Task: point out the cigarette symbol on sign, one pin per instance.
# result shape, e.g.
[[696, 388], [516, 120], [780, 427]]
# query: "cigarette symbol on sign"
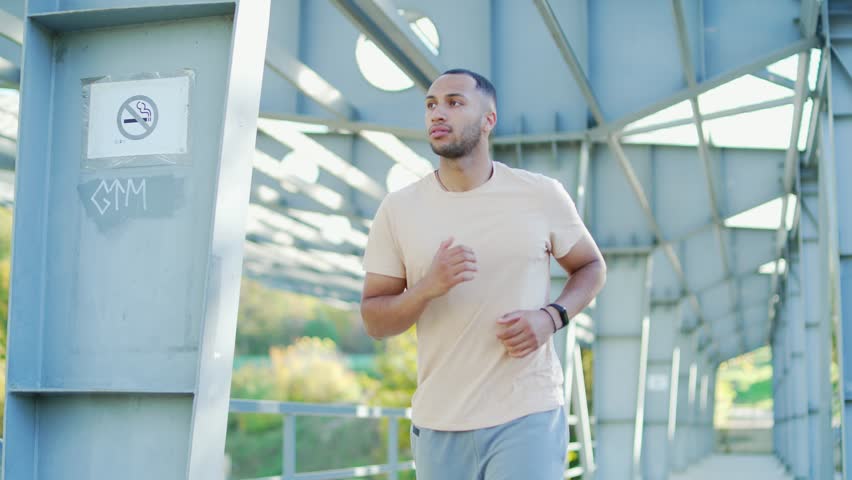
[[137, 117]]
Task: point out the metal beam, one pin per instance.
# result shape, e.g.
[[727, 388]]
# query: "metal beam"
[[308, 82], [580, 77], [756, 107], [791, 164], [11, 27], [379, 20], [343, 125], [570, 58], [601, 133], [819, 100], [780, 54], [703, 150], [776, 79]]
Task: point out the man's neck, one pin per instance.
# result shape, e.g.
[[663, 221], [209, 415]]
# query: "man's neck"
[[465, 173]]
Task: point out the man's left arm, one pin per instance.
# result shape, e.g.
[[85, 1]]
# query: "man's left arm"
[[524, 331]]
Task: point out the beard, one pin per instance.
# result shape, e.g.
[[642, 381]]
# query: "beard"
[[470, 138]]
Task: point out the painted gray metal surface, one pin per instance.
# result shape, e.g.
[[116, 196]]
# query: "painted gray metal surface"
[[710, 269], [620, 361], [122, 321], [686, 347], [835, 167], [658, 436], [817, 329], [798, 369]]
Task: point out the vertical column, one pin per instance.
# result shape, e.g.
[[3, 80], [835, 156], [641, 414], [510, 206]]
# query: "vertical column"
[[656, 446], [835, 170], [136, 137], [798, 370], [817, 332], [620, 355], [698, 405], [710, 433], [686, 347], [776, 391], [788, 393]]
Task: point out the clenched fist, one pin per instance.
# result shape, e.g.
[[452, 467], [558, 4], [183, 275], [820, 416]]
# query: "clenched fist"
[[450, 267], [524, 331]]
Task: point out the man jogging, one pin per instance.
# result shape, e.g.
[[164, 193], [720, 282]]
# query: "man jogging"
[[465, 255]]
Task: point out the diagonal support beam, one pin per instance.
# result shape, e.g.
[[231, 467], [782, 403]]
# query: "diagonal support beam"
[[755, 107], [703, 150], [580, 77], [379, 20], [791, 167], [570, 58], [308, 82], [11, 27], [799, 46], [776, 79]]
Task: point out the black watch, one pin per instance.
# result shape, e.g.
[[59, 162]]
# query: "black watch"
[[562, 313]]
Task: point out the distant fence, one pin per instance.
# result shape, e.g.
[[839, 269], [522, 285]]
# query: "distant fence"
[[291, 411]]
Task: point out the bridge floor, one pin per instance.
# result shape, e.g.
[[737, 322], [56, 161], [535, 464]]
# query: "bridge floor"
[[735, 467]]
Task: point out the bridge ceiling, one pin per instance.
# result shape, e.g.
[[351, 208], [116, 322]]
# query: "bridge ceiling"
[[571, 75]]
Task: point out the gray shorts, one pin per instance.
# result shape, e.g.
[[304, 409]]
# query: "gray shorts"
[[530, 447]]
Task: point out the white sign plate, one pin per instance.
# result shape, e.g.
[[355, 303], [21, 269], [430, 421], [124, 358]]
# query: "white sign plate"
[[138, 117]]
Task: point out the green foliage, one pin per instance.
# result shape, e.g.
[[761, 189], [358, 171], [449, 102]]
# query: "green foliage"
[[396, 366], [313, 371], [5, 251], [744, 381], [269, 317]]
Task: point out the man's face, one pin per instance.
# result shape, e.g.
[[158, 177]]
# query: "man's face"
[[456, 115]]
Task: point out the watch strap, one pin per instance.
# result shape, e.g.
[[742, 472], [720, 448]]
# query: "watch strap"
[[563, 314]]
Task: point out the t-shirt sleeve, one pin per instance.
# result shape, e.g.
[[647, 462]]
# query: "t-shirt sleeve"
[[566, 226], [382, 254]]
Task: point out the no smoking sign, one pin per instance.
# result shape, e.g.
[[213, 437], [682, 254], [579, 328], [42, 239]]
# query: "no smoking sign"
[[137, 118]]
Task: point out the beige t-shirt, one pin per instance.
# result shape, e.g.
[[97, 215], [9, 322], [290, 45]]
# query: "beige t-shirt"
[[513, 222]]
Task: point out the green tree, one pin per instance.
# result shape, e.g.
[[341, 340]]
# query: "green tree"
[[312, 371]]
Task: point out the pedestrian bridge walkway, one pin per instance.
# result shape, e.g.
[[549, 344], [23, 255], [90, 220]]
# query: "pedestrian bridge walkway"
[[735, 467]]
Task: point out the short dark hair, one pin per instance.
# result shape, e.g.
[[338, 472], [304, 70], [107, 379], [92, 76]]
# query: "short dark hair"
[[482, 83]]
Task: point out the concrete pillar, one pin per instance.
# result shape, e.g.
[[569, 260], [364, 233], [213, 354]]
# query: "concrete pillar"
[[776, 392], [710, 446], [798, 382], [620, 356], [687, 347], [661, 387], [817, 332], [695, 408], [129, 235], [835, 166]]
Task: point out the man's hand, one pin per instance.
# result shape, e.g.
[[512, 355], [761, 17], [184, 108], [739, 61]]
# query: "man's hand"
[[524, 331], [450, 267]]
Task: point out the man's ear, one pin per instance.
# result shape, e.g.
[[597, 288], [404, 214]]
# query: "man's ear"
[[490, 121]]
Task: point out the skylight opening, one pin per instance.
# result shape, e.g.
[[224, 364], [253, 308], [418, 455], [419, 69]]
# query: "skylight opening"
[[682, 135], [678, 111], [745, 90], [788, 67], [768, 268], [768, 129], [379, 70], [766, 216]]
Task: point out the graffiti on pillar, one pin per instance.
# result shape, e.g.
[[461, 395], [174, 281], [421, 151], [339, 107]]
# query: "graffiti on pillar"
[[113, 201], [117, 193]]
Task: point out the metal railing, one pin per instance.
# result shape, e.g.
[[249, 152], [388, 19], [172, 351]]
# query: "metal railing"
[[290, 411], [575, 405]]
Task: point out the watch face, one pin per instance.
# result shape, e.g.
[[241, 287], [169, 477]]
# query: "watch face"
[[562, 313]]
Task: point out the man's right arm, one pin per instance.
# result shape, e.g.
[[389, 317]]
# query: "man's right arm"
[[388, 308]]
